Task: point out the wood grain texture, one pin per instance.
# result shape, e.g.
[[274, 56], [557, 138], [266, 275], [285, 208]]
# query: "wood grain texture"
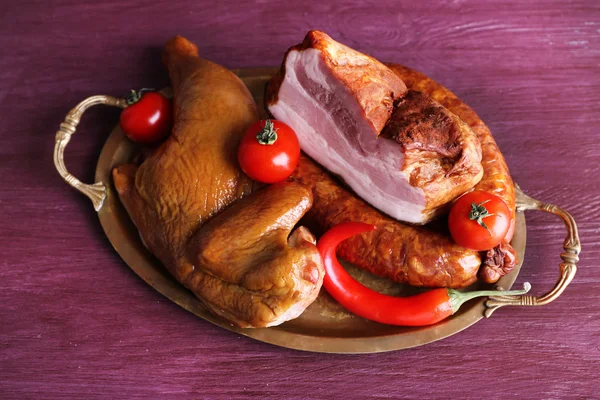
[[75, 322]]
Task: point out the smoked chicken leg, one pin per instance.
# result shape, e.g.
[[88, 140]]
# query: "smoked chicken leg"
[[242, 265]]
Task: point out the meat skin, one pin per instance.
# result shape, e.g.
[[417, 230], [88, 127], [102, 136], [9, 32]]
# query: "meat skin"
[[247, 250], [171, 189], [367, 80], [196, 211]]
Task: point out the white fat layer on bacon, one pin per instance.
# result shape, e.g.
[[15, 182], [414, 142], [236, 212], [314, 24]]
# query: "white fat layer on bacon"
[[350, 148]]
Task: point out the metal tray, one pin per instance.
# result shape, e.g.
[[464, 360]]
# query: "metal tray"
[[325, 326]]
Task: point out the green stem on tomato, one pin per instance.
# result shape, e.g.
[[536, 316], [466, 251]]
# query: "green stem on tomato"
[[478, 212], [458, 298], [135, 95], [268, 134]]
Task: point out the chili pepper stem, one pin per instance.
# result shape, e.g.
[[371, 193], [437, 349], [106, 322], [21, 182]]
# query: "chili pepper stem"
[[457, 298]]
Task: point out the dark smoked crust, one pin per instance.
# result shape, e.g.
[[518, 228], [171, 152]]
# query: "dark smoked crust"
[[417, 123], [442, 154]]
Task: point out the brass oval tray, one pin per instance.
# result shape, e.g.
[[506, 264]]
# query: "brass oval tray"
[[324, 326]]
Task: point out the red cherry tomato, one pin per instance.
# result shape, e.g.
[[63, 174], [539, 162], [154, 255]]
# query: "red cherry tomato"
[[479, 220], [147, 118], [269, 151]]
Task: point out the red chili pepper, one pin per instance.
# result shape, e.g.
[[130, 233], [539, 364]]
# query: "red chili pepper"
[[422, 309]]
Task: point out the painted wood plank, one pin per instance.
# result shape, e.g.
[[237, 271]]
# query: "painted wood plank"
[[75, 322]]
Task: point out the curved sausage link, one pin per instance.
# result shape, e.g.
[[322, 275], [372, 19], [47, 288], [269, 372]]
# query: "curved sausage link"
[[400, 252]]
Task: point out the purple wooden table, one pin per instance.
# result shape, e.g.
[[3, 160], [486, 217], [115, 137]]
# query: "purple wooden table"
[[76, 322]]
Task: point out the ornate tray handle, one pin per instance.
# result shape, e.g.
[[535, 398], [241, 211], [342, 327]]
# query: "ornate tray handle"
[[568, 267], [97, 191]]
